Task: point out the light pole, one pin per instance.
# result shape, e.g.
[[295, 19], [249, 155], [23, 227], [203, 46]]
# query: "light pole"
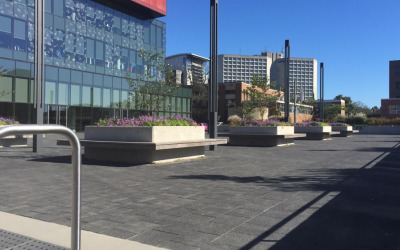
[[321, 92], [39, 72], [287, 91], [213, 84], [294, 102]]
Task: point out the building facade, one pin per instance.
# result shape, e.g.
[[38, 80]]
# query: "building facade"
[[241, 68], [394, 79], [390, 108], [91, 47], [231, 96], [191, 67], [303, 72]]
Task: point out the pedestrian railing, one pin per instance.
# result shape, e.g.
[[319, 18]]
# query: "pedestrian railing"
[[76, 168]]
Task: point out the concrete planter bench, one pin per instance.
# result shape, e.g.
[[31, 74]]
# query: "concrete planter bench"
[[314, 132], [140, 145], [261, 136], [14, 141], [380, 130], [345, 131]]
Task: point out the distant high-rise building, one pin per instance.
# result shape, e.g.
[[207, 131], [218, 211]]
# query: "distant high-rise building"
[[390, 108], [192, 68], [394, 79], [232, 68], [302, 71]]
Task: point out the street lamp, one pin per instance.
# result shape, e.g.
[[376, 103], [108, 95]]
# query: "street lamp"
[[213, 84], [321, 92], [287, 92], [39, 72]]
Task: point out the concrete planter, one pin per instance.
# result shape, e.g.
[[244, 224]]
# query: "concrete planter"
[[320, 129], [278, 130], [14, 140], [315, 133], [145, 134], [342, 128], [380, 130], [344, 131]]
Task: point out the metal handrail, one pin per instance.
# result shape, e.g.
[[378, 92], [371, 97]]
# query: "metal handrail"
[[76, 168]]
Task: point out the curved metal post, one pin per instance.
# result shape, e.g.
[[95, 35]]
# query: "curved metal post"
[[76, 168]]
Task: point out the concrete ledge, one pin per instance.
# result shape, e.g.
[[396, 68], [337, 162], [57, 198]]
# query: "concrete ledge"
[[61, 235], [260, 140], [14, 141], [318, 136], [374, 130], [144, 152]]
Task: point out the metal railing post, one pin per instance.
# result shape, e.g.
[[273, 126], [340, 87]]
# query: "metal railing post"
[[76, 168]]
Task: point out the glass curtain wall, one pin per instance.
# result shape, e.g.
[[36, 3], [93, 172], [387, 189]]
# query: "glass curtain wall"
[[89, 51]]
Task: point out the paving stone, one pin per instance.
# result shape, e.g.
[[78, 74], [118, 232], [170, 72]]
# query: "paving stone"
[[331, 188]]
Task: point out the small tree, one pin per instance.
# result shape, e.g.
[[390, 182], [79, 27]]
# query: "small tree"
[[152, 88], [331, 112], [200, 96], [258, 97], [2, 71]]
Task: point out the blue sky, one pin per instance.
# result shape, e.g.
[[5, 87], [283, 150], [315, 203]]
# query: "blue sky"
[[355, 39]]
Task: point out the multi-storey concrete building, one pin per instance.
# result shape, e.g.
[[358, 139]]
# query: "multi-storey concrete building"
[[192, 68], [302, 71], [233, 68], [90, 48], [390, 108]]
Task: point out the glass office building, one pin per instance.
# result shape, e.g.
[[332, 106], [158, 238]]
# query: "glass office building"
[[90, 48]]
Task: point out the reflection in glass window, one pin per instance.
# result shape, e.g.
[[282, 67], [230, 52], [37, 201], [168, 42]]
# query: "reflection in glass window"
[[90, 51], [115, 103], [5, 32], [75, 95], [50, 93], [21, 90], [124, 99], [99, 53], [107, 98], [59, 8], [63, 94], [109, 56], [96, 97], [6, 87], [86, 96], [47, 6], [58, 43]]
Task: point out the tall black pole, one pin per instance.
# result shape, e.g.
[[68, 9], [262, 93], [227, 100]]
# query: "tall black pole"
[[321, 91], [39, 72], [213, 84], [294, 102], [287, 91]]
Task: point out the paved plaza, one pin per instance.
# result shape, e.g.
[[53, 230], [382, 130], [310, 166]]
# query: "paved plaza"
[[342, 193]]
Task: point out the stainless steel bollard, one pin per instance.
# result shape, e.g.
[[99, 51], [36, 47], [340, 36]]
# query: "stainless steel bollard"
[[76, 168]]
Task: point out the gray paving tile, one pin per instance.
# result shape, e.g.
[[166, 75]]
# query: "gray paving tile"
[[329, 188]]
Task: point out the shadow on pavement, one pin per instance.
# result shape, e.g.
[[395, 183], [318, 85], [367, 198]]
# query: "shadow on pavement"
[[364, 215]]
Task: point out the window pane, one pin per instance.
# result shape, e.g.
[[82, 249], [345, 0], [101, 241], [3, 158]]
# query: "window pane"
[[115, 103], [5, 24], [106, 98], [59, 7], [86, 96], [75, 95], [124, 99], [5, 89], [63, 94], [21, 90], [50, 93], [96, 97]]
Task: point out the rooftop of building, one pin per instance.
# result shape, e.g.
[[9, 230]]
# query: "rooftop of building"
[[189, 55]]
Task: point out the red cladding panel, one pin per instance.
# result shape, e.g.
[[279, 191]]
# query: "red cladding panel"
[[159, 6]]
